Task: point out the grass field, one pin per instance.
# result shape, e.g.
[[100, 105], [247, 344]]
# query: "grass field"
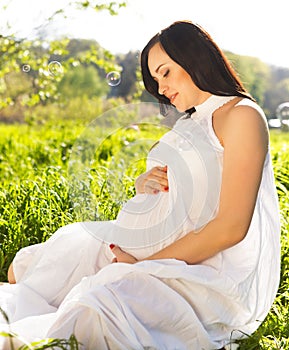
[[38, 195]]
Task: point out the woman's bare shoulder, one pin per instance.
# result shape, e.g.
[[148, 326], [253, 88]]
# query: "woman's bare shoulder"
[[244, 117]]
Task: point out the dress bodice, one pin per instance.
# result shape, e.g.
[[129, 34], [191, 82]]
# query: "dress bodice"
[[194, 160]]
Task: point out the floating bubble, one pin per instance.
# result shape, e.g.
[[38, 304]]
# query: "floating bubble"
[[26, 68], [113, 78], [133, 127], [55, 68]]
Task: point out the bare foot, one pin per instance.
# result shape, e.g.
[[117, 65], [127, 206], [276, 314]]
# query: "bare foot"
[[11, 276]]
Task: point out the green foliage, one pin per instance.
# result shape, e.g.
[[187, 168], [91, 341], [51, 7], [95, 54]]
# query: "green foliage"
[[40, 65], [253, 73], [34, 199], [129, 64], [82, 81], [40, 73], [79, 108], [278, 93], [112, 7], [29, 62]]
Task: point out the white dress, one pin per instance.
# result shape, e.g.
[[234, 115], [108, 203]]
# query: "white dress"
[[68, 284]]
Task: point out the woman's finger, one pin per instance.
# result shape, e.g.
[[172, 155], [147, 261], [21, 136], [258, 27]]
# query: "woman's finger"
[[121, 256], [153, 181]]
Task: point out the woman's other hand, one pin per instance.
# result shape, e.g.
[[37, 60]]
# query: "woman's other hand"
[[121, 256], [153, 181]]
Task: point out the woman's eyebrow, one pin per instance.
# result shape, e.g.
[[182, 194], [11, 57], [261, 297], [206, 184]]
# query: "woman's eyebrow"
[[158, 68]]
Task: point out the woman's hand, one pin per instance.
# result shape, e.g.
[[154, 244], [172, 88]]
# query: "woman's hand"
[[121, 256], [153, 181]]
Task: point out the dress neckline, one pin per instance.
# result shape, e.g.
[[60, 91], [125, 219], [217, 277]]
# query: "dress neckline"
[[210, 105]]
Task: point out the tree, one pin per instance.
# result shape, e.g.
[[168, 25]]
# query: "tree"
[[82, 81], [254, 74], [127, 87], [278, 89], [278, 93], [19, 55]]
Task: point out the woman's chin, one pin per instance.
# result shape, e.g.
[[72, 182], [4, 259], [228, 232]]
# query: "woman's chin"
[[180, 109]]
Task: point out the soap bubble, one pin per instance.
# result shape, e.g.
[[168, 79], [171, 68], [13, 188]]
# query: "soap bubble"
[[55, 68], [113, 78], [26, 68]]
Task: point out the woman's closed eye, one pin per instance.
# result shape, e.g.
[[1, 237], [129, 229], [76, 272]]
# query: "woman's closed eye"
[[163, 75], [166, 73]]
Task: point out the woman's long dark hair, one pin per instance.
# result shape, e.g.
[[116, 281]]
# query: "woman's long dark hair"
[[194, 50]]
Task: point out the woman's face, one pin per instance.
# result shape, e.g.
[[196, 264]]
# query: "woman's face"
[[173, 81]]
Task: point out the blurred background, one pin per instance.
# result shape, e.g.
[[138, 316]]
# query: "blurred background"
[[88, 52]]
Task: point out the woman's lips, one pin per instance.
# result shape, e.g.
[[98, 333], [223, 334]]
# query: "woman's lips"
[[173, 97]]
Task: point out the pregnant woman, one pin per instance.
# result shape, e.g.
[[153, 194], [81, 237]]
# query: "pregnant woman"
[[192, 261]]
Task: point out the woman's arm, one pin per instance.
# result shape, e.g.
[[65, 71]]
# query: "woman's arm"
[[245, 139]]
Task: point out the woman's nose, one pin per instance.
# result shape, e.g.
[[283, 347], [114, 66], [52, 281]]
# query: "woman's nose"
[[162, 88]]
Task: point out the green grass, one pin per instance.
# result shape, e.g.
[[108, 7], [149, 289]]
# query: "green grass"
[[34, 198], [48, 180]]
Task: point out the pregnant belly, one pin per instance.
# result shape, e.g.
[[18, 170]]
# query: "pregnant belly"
[[144, 211], [150, 222]]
